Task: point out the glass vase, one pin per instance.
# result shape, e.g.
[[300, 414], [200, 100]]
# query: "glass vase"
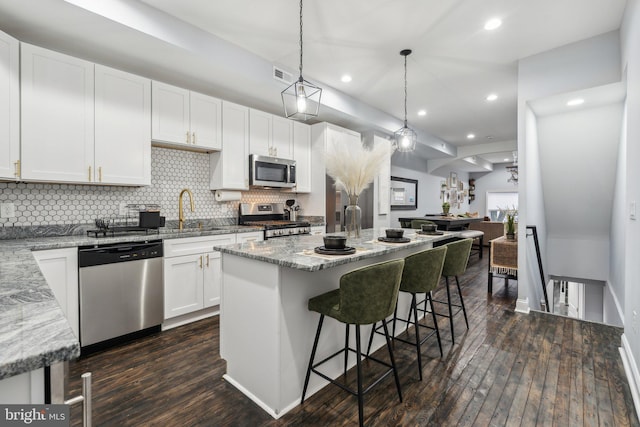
[[353, 217]]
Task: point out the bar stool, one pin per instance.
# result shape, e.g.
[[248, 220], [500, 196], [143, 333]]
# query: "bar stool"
[[421, 275], [474, 234], [366, 295], [455, 264]]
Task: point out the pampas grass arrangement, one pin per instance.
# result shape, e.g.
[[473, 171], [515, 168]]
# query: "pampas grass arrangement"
[[353, 166]]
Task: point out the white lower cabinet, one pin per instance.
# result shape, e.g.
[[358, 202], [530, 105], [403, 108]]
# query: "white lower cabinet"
[[192, 272], [253, 236], [317, 230], [60, 269]]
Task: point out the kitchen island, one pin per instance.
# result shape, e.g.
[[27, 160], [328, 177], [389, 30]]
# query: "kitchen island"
[[266, 330]]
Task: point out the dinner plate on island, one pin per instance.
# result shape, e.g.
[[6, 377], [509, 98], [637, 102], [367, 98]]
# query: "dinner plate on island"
[[347, 250], [394, 239], [430, 233]]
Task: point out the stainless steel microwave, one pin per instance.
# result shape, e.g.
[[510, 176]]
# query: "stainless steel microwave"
[[267, 171]]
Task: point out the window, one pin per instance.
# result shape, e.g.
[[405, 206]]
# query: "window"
[[497, 200]]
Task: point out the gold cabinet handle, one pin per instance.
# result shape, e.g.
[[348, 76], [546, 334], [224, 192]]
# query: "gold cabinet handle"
[[188, 137], [89, 173], [100, 174], [193, 138], [207, 260], [200, 261], [16, 165]]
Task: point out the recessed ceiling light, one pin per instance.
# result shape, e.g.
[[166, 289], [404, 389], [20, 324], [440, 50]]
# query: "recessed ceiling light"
[[422, 112], [471, 136], [492, 24], [346, 78], [575, 102], [492, 97]]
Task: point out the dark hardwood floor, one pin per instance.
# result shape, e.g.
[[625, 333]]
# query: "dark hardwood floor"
[[507, 369]]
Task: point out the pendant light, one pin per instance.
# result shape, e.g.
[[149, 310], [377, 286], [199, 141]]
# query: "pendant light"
[[405, 138], [301, 100]]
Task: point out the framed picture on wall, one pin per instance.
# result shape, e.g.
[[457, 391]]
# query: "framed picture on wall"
[[404, 193], [453, 180]]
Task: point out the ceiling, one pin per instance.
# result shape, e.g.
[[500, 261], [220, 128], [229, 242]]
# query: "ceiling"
[[455, 63]]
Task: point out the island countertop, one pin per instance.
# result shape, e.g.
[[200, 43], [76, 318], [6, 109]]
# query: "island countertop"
[[298, 252]]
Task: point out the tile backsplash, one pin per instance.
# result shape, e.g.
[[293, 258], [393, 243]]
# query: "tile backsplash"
[[171, 171]]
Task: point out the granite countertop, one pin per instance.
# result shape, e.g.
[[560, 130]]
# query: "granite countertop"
[[297, 251], [34, 331]]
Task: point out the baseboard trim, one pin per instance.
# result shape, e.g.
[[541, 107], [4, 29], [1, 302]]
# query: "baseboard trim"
[[631, 369], [522, 305], [174, 322], [259, 402]]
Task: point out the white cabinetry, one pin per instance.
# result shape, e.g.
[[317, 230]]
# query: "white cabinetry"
[[318, 230], [302, 156], [57, 116], [82, 122], [230, 166], [192, 273], [122, 127], [9, 107], [253, 236], [185, 119], [60, 269], [270, 135]]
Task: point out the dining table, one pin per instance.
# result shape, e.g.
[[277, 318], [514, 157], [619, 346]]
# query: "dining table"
[[444, 222]]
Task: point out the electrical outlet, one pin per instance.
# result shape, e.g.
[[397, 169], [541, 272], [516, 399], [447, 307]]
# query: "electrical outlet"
[[122, 209], [7, 210]]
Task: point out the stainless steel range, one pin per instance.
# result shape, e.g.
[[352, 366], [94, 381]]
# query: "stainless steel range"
[[271, 217]]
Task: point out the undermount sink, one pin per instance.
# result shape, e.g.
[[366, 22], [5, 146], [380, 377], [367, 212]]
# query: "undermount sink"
[[189, 229]]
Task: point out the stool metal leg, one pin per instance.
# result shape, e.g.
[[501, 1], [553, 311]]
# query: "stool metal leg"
[[313, 355], [373, 331], [435, 320], [346, 347], [393, 362], [359, 369], [416, 327], [446, 280], [464, 311]]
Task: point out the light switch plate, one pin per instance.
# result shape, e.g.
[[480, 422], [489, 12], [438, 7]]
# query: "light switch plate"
[[7, 210]]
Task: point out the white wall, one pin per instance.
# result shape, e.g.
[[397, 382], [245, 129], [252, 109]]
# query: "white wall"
[[428, 187], [585, 64], [490, 182], [630, 39]]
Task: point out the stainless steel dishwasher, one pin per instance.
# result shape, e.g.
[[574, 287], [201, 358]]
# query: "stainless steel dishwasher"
[[121, 289]]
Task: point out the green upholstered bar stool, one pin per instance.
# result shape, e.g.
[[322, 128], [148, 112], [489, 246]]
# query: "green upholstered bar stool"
[[421, 274], [416, 224], [455, 264], [366, 295]]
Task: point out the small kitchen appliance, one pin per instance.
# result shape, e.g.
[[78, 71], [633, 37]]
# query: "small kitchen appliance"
[[271, 172], [271, 217]]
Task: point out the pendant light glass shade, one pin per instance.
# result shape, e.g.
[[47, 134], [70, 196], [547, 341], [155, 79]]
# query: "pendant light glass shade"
[[405, 138], [301, 100]]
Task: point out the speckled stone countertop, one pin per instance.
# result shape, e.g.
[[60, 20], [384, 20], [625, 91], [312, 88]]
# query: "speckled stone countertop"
[[298, 251], [34, 331]]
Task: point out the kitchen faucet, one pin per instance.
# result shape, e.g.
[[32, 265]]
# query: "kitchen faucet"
[[180, 208]]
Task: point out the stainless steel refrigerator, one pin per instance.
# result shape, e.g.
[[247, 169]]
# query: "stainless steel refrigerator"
[[336, 203]]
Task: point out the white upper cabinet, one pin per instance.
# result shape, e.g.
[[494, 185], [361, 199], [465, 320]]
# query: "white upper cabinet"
[[302, 156], [270, 135], [185, 119], [230, 166], [122, 127], [57, 116], [9, 107]]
